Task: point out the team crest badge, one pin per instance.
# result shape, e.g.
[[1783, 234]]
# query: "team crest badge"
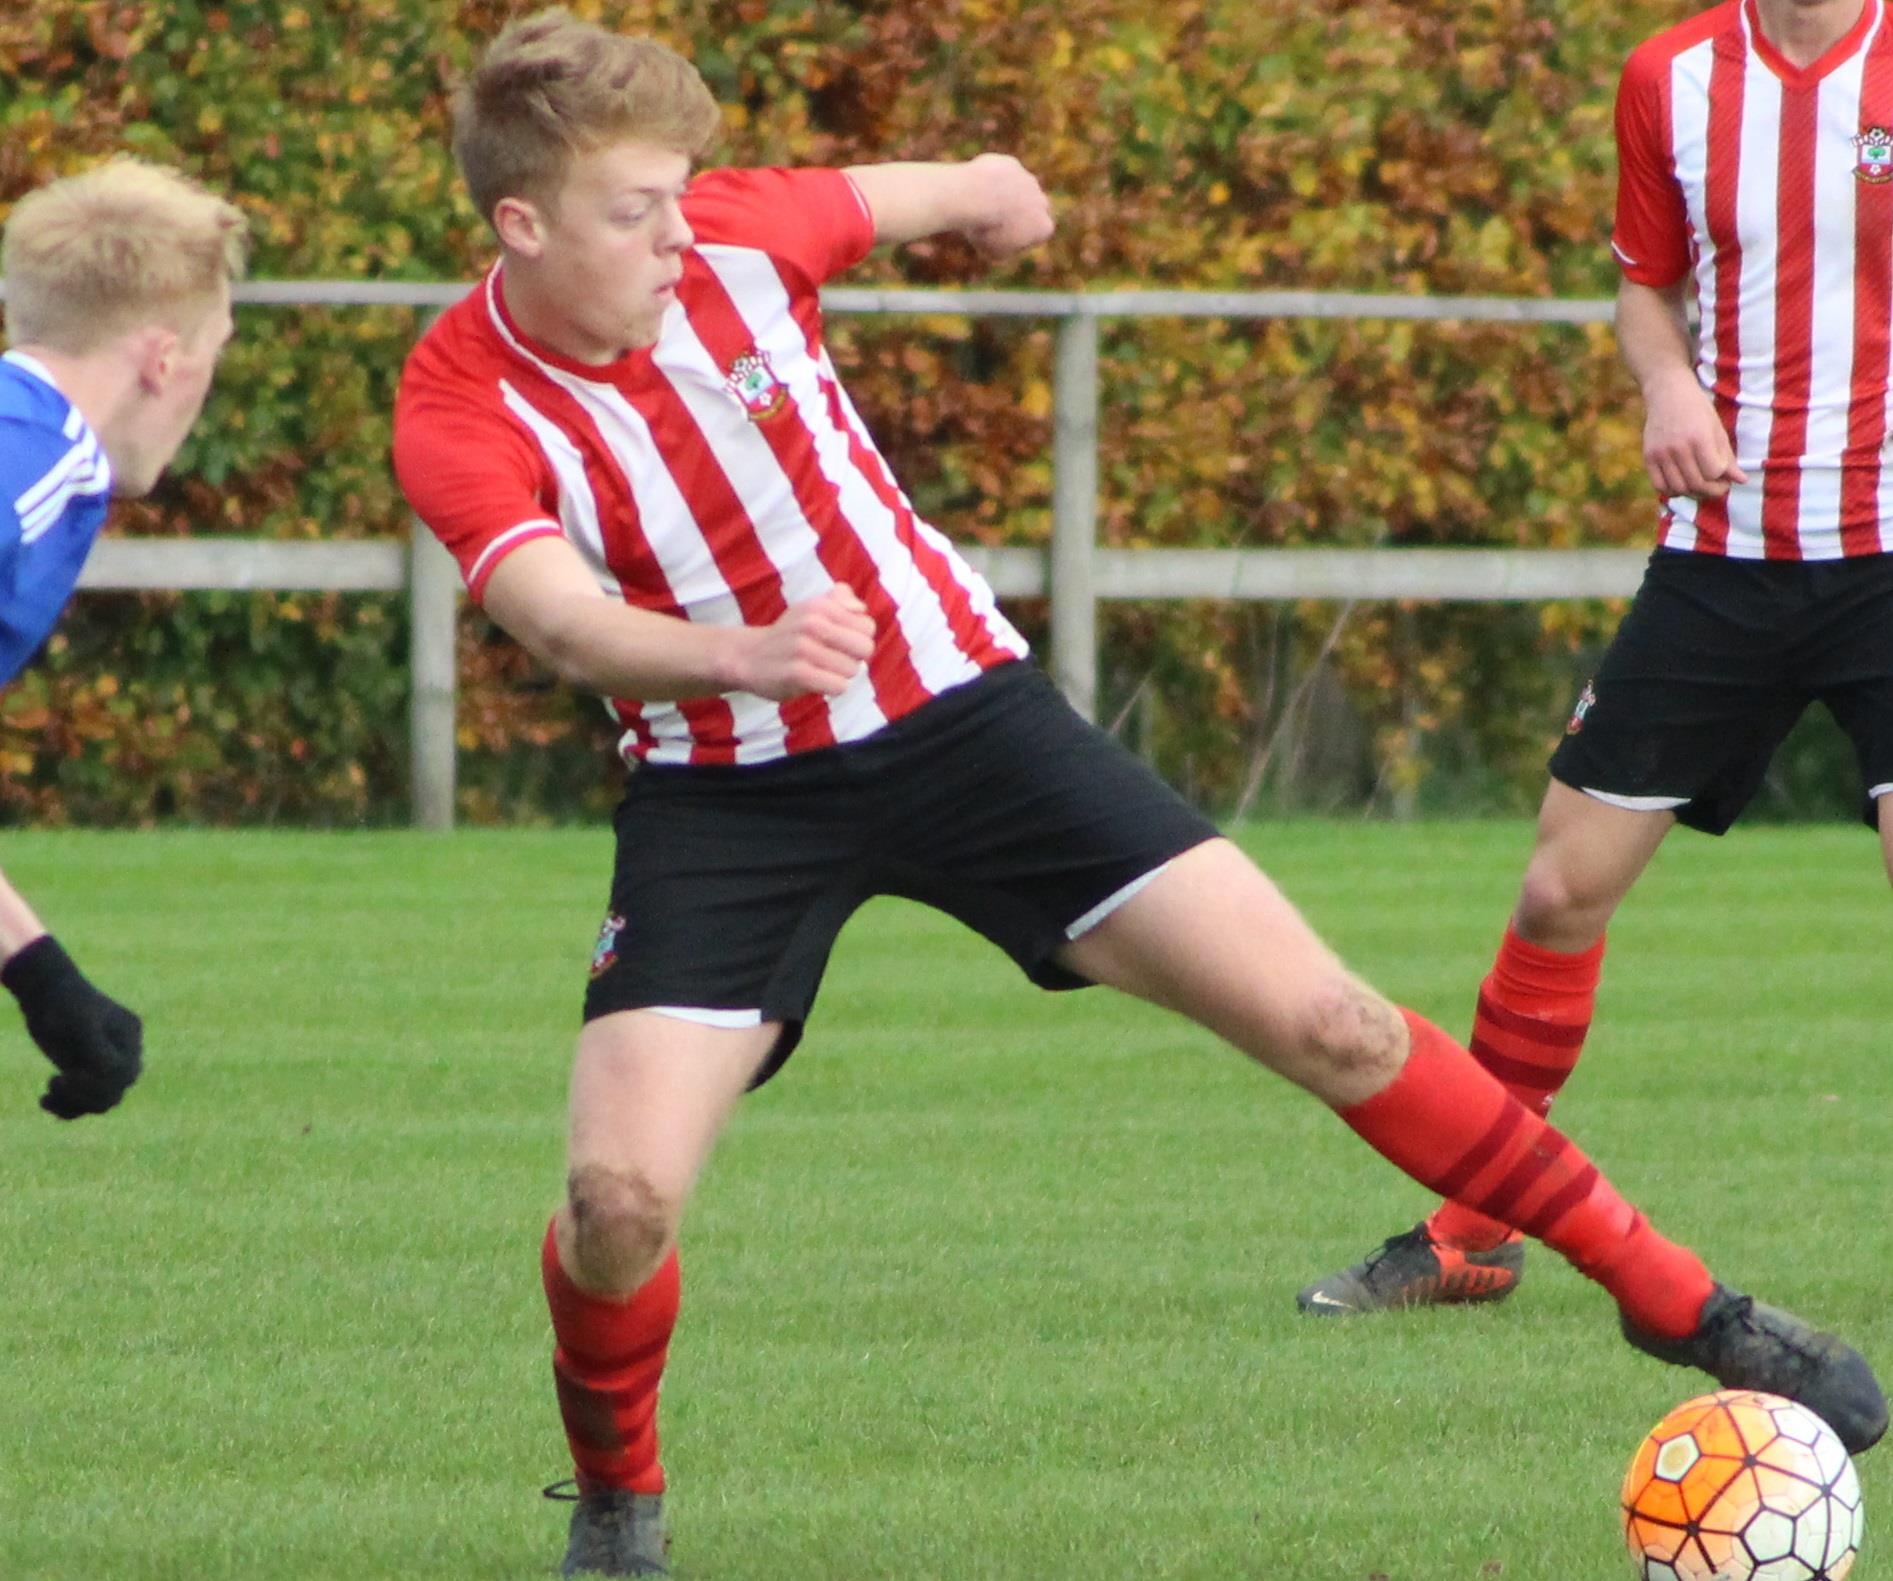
[[1875, 162], [605, 952], [753, 382], [1587, 700]]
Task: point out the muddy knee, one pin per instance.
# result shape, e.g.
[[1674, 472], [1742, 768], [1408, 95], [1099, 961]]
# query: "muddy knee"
[[621, 1226], [1352, 1040]]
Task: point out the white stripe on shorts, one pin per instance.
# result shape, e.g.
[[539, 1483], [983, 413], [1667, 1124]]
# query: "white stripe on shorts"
[[1637, 803], [733, 1020], [1110, 903], [1879, 790]]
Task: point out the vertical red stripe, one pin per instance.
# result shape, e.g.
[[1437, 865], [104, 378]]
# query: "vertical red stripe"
[[630, 717], [640, 577], [1794, 323], [971, 635], [1726, 98], [750, 574], [1860, 527], [898, 689]]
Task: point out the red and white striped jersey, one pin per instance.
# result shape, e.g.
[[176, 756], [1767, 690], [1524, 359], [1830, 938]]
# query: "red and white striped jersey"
[[719, 475], [1774, 184]]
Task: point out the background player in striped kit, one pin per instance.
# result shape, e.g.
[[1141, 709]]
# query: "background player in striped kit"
[[1755, 148], [118, 304], [632, 438]]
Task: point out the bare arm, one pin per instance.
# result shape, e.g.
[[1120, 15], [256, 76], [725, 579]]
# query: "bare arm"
[[1685, 447], [547, 599], [993, 201], [19, 927]]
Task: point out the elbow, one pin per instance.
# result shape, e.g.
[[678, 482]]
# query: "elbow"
[[570, 659]]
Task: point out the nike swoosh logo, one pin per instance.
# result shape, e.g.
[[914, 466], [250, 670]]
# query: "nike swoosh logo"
[[1325, 1301]]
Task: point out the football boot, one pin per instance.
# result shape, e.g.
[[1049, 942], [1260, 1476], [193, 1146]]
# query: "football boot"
[[1414, 1270]]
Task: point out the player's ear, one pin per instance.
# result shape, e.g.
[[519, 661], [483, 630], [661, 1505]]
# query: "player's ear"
[[519, 226], [154, 353]]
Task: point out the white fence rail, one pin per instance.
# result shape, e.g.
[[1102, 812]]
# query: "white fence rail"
[[1075, 573]]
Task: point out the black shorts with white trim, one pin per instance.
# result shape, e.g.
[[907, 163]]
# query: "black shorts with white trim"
[[993, 802], [1715, 662]]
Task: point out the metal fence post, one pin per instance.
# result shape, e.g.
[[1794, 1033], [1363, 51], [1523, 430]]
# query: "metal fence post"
[[1075, 512], [433, 610]]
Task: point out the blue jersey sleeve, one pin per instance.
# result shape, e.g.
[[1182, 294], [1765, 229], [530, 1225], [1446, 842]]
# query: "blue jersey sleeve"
[[53, 494]]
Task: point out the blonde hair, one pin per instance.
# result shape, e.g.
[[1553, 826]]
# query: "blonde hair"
[[551, 86], [126, 243]]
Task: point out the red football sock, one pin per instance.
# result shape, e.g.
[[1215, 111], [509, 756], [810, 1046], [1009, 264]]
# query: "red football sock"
[[1534, 1010], [607, 1365], [1450, 1125]]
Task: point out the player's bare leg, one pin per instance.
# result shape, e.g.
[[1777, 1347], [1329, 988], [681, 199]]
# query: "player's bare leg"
[[1884, 805], [1587, 856], [650, 1094], [1534, 1009], [1212, 938]]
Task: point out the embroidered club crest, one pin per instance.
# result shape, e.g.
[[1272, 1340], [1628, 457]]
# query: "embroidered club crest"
[[1875, 162], [605, 952], [753, 382], [1587, 700]]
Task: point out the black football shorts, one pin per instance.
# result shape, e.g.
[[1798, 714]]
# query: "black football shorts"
[[1711, 668], [993, 802]]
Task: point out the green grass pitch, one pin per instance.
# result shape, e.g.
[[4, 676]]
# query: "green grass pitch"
[[990, 1284]]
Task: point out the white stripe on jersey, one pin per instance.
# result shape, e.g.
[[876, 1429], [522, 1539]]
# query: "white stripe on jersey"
[[681, 550], [690, 570], [578, 508], [1689, 138], [766, 493], [1830, 393], [978, 591], [80, 471], [750, 278], [1758, 221], [1756, 319]]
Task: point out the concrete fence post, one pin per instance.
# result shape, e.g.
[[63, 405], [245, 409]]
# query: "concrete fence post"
[[1075, 512], [433, 611]]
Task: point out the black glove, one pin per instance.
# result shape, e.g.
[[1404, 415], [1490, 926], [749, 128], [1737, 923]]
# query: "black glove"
[[94, 1040]]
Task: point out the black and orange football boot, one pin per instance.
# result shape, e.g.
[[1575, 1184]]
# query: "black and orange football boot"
[[1414, 1270], [1743, 1344]]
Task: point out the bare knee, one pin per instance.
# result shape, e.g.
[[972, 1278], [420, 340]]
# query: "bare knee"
[[1351, 1041], [621, 1227], [1560, 906]]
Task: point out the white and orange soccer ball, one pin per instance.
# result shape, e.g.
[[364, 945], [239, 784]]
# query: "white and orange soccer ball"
[[1740, 1486]]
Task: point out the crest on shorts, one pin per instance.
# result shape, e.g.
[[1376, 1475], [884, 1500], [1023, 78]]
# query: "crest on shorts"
[[1587, 700], [605, 951], [1875, 160], [753, 382]]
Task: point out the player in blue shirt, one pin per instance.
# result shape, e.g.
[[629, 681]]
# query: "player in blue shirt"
[[118, 305]]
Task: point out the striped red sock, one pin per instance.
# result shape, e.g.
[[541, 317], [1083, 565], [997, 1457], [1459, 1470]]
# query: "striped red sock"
[[607, 1365], [1534, 1010], [1450, 1125]]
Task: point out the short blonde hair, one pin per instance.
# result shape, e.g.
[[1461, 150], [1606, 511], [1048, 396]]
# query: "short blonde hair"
[[126, 243], [551, 86]]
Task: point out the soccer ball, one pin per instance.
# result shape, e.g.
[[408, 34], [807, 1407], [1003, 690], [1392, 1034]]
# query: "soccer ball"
[[1740, 1486]]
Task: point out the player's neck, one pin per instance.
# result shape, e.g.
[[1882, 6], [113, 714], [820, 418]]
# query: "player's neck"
[[539, 316], [1805, 30]]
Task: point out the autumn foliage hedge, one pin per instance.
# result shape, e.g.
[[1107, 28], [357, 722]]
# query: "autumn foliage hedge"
[[1386, 145]]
